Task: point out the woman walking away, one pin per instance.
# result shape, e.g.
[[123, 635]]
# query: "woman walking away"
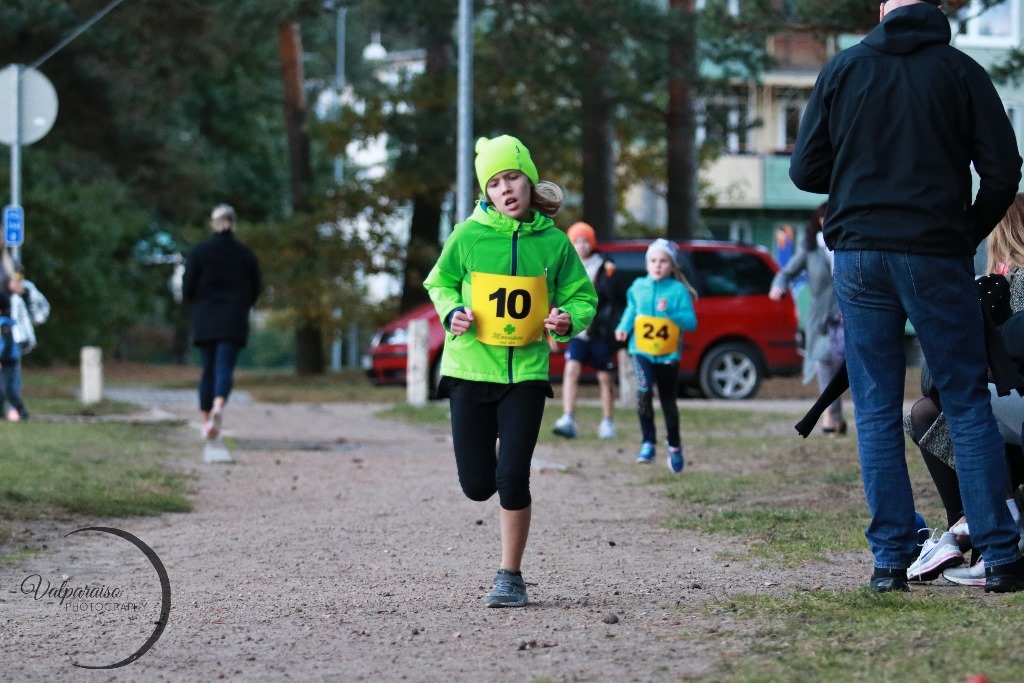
[[221, 283], [659, 307], [505, 276]]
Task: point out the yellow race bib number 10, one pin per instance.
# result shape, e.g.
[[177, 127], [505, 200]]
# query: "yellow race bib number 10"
[[509, 310], [655, 336]]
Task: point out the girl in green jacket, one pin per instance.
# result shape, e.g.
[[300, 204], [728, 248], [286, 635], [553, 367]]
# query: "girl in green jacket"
[[505, 279]]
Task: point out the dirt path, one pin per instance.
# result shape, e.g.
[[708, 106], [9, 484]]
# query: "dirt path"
[[355, 557]]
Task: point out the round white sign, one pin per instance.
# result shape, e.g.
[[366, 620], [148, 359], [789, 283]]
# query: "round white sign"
[[38, 105]]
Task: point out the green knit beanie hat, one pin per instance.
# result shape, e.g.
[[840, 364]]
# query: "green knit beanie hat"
[[499, 154]]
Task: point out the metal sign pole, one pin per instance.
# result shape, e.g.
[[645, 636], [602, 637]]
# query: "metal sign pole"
[[464, 149], [41, 100], [16, 152]]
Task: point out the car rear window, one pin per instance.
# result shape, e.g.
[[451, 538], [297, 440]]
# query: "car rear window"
[[712, 273], [732, 273]]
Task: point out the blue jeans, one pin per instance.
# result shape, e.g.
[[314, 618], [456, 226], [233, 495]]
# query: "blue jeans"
[[10, 386], [218, 376], [878, 291]]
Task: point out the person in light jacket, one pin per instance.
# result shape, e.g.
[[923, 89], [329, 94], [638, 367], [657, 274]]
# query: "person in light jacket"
[[823, 348]]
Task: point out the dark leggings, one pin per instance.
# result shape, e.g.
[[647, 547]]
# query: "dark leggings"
[[219, 360], [488, 464], [922, 415], [666, 377]]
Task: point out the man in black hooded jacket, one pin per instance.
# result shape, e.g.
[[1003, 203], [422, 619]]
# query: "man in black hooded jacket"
[[890, 133]]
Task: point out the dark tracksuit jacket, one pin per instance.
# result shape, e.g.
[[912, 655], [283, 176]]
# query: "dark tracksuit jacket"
[[890, 132]]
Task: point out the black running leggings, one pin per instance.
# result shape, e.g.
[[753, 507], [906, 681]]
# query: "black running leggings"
[[488, 464], [666, 377]]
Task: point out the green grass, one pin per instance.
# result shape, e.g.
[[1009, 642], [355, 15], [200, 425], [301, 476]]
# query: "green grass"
[[786, 503], [791, 503], [434, 413], [270, 386], [287, 387], [68, 406], [94, 470], [53, 468], [861, 636]]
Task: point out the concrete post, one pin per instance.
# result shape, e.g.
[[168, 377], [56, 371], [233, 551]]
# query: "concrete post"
[[627, 386], [417, 369], [92, 374]]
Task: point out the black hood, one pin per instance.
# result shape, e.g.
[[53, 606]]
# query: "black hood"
[[908, 29]]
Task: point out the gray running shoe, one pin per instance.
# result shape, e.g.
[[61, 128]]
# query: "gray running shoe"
[[509, 590], [967, 576]]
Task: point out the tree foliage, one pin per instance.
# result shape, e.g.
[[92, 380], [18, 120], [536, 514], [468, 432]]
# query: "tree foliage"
[[165, 110], [169, 108]]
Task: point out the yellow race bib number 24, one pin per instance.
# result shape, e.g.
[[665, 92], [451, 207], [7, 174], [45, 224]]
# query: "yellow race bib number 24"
[[655, 336]]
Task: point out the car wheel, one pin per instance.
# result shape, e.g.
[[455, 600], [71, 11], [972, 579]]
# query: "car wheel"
[[731, 371]]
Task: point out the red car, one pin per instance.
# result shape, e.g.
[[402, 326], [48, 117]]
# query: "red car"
[[742, 336]]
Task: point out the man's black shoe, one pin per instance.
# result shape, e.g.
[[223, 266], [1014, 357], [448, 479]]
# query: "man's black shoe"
[[889, 580], [1006, 578]]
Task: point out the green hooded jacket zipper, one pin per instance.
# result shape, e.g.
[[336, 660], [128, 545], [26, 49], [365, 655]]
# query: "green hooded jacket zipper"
[[514, 269]]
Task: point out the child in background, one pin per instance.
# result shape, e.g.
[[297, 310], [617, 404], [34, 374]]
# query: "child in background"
[[595, 346], [16, 338], [659, 307], [504, 277]]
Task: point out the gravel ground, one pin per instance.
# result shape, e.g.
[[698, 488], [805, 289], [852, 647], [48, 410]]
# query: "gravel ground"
[[352, 555]]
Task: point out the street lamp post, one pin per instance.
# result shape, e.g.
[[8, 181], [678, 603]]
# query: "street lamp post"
[[464, 151], [339, 75]]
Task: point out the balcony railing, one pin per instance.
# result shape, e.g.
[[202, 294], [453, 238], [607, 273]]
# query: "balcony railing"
[[756, 182]]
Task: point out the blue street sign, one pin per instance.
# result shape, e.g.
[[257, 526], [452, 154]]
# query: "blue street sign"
[[14, 225]]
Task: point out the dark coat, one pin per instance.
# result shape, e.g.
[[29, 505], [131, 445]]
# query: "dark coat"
[[611, 302], [890, 132], [221, 283]]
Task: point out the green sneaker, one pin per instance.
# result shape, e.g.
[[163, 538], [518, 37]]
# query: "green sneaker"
[[509, 590]]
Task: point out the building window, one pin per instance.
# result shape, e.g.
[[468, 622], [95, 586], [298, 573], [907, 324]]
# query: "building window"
[[1013, 112], [724, 124], [741, 231], [997, 26], [732, 5], [790, 113]]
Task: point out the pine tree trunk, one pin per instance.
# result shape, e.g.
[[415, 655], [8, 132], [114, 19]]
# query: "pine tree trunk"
[[422, 251], [680, 134], [598, 146], [309, 350]]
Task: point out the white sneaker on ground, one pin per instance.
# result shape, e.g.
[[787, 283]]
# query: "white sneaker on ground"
[[937, 553], [606, 430], [967, 576], [566, 426]]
